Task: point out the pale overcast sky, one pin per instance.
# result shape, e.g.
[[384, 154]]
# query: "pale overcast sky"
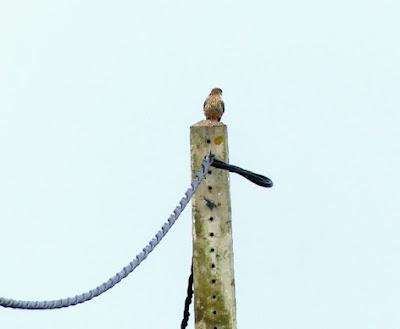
[[96, 101]]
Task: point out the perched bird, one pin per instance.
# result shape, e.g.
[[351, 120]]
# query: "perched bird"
[[214, 106]]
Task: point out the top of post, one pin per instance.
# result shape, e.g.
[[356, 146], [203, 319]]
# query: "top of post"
[[213, 109], [209, 123]]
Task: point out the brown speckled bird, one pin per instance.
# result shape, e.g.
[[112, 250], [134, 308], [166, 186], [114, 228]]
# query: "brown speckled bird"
[[214, 106]]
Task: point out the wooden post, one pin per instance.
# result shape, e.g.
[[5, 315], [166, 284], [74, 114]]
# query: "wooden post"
[[214, 283]]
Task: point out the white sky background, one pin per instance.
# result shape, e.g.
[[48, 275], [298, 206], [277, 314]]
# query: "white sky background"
[[96, 100]]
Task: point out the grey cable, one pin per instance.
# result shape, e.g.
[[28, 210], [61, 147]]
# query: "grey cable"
[[78, 299]]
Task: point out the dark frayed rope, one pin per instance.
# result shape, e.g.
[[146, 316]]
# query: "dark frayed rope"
[[60, 303], [188, 300]]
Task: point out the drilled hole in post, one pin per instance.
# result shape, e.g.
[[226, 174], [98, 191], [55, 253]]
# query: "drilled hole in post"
[[212, 265], [214, 312], [211, 234], [210, 188], [214, 297], [212, 249], [211, 219], [209, 172], [213, 281], [208, 141]]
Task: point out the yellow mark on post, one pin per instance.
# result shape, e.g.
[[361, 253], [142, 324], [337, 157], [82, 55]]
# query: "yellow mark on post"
[[218, 140]]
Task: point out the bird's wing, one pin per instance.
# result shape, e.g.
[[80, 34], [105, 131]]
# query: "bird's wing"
[[205, 102]]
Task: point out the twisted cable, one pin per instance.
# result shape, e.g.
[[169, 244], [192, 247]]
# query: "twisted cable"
[[188, 300], [84, 297]]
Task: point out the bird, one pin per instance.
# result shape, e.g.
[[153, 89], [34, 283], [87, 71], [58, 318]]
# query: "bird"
[[214, 106]]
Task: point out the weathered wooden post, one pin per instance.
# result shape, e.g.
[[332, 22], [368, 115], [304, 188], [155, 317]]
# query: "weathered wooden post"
[[214, 283]]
